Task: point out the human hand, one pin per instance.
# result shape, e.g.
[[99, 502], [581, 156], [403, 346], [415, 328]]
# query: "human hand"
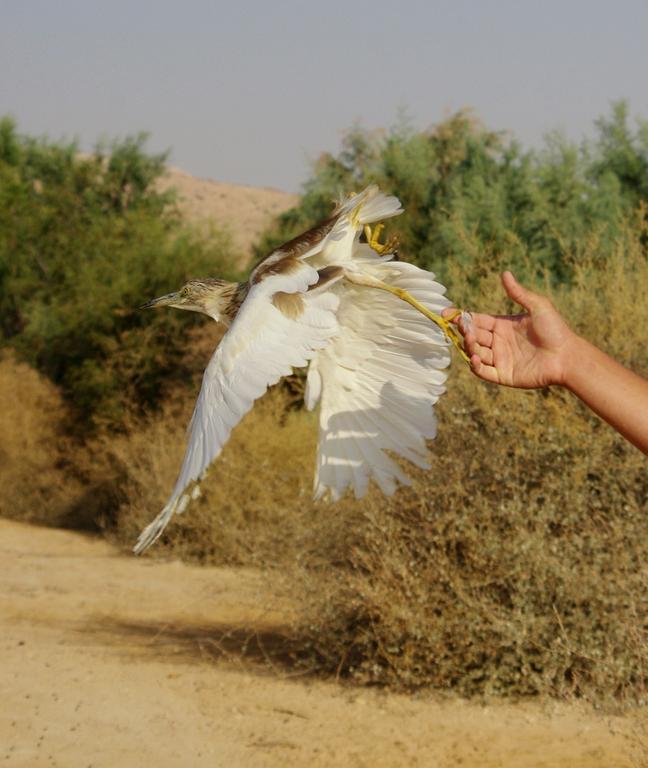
[[528, 350]]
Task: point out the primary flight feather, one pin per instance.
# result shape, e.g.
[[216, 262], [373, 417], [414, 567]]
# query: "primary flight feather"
[[357, 319]]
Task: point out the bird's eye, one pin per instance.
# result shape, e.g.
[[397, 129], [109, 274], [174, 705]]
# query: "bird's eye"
[[184, 291]]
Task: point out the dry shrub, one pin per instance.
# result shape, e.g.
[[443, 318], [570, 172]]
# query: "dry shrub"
[[607, 302], [51, 475], [516, 565], [36, 486]]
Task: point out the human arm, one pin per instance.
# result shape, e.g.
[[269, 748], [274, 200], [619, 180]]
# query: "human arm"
[[538, 349]]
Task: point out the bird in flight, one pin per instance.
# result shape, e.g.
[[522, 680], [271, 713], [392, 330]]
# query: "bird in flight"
[[357, 319]]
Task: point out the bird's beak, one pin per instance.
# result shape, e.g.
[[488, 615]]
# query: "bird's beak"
[[163, 301]]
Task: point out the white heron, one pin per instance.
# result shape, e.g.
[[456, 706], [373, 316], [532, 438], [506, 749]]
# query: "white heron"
[[375, 364]]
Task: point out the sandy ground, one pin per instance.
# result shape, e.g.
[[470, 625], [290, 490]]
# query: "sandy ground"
[[243, 211], [108, 660]]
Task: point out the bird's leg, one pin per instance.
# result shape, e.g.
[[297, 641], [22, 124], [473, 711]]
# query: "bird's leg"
[[443, 323], [373, 240]]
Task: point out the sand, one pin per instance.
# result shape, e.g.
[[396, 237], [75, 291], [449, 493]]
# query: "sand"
[[240, 210], [110, 660]]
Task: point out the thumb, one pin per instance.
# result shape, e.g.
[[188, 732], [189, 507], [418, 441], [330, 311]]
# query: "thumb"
[[521, 295]]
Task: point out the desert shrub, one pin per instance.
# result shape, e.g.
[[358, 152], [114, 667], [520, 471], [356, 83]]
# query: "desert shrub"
[[84, 240], [34, 452], [255, 501], [515, 566], [53, 475]]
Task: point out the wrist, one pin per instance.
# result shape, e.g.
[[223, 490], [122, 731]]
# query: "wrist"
[[572, 357]]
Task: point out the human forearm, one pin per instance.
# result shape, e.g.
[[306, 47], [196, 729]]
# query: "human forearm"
[[615, 393]]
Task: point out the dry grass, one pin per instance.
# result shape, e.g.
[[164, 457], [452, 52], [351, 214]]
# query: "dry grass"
[[515, 566]]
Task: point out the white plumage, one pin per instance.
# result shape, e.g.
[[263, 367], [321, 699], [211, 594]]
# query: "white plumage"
[[377, 381], [375, 364]]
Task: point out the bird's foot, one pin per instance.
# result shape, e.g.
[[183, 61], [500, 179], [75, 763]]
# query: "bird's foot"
[[445, 324], [373, 240]]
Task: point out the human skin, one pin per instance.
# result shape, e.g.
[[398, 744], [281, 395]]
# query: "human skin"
[[538, 349]]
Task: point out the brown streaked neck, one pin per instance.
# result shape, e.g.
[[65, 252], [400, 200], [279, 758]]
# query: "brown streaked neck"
[[234, 296]]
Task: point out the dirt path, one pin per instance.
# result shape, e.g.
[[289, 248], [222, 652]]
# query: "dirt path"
[[108, 660]]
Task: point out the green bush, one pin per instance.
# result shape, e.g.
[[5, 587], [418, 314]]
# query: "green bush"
[[84, 240], [467, 190]]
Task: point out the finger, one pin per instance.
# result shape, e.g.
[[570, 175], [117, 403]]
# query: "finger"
[[485, 372], [451, 312], [472, 347], [521, 295], [486, 355], [470, 343], [487, 322], [483, 337]]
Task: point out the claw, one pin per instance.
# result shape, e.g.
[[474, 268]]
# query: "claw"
[[449, 330], [373, 240]]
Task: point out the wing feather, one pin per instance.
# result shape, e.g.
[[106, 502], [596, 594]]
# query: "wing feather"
[[378, 380], [262, 345]]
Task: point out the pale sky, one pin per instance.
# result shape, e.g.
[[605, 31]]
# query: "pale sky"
[[251, 92]]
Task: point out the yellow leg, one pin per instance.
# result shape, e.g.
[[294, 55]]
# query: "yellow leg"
[[373, 240], [442, 322]]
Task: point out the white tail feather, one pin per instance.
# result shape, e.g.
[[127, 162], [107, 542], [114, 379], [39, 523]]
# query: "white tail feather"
[[372, 205], [379, 207]]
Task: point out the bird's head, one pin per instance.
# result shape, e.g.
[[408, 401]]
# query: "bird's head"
[[210, 296]]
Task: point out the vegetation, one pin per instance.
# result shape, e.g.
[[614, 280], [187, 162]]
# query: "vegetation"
[[84, 240], [472, 198], [516, 565]]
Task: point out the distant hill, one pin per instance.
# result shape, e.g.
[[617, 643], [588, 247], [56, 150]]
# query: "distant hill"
[[243, 211]]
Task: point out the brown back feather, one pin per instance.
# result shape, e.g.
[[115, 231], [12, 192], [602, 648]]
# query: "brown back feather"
[[292, 251]]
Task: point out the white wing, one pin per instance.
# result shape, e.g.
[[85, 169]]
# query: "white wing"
[[262, 345], [378, 380]]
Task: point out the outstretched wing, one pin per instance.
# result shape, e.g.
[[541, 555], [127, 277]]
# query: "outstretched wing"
[[378, 380], [280, 326]]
